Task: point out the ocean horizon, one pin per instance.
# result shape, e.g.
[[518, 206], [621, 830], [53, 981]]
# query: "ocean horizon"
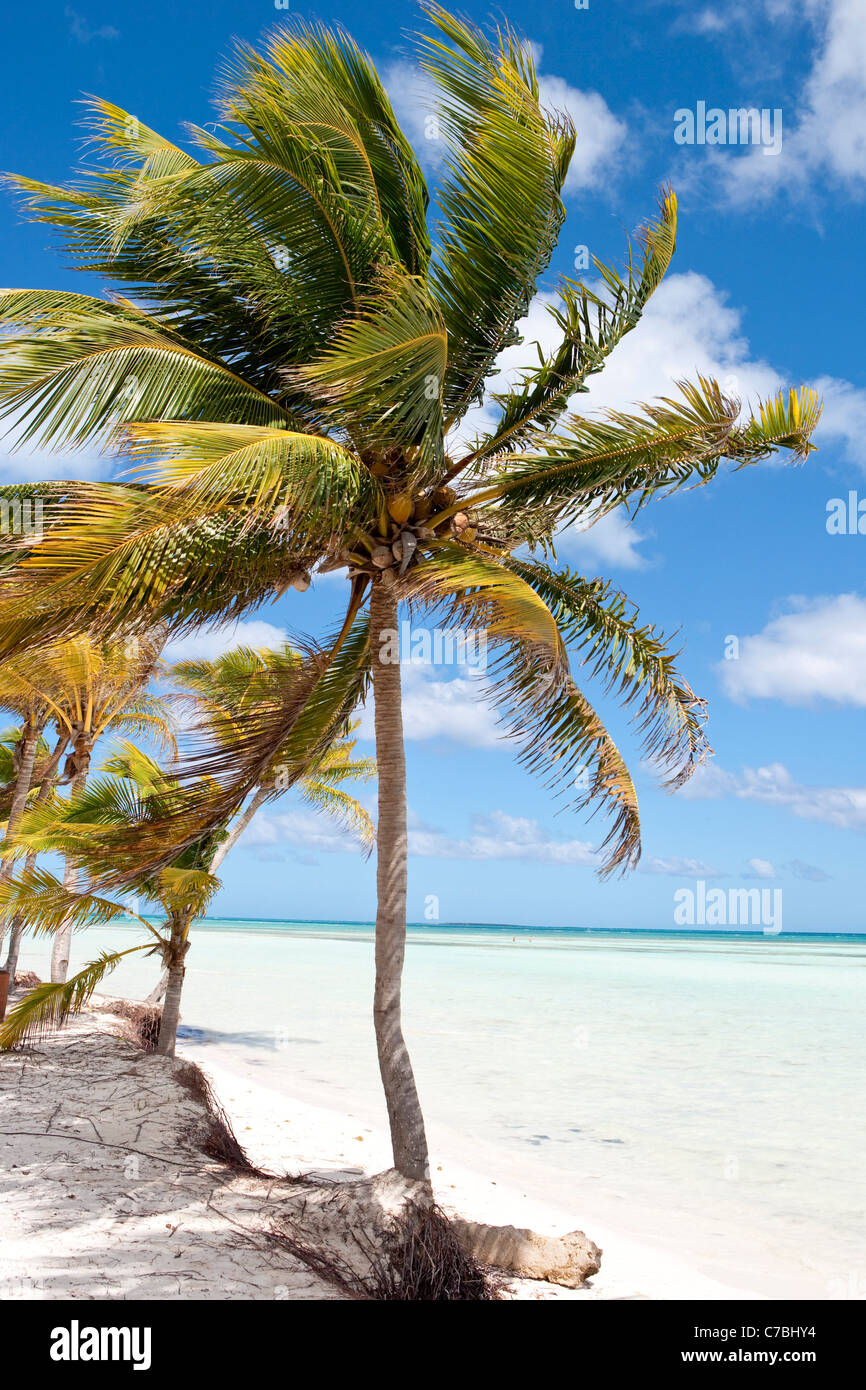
[[428, 928]]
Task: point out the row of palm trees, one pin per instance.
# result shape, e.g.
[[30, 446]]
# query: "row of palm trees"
[[305, 358]]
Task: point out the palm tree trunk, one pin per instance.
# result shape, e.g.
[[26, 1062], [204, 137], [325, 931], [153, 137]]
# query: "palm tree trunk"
[[237, 829], [408, 1139], [15, 936], [49, 778], [63, 938], [171, 1008], [29, 745]]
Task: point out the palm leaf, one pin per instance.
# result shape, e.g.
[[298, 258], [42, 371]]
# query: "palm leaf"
[[48, 1006]]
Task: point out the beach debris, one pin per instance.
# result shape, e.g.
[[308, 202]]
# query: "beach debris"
[[570, 1259], [382, 1239]]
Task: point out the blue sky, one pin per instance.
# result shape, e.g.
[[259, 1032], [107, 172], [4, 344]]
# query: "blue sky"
[[766, 289]]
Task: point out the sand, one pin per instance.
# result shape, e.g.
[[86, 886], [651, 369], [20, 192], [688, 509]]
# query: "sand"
[[108, 1195]]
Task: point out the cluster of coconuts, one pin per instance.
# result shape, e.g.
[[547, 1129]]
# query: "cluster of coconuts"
[[408, 517]]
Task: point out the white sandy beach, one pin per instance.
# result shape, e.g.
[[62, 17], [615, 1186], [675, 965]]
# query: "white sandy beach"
[[278, 1131], [106, 1198], [698, 1053]]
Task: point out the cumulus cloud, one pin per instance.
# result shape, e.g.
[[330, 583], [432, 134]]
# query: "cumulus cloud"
[[500, 836], [435, 707], [298, 833], [773, 785], [497, 836], [217, 639], [825, 130], [817, 651], [688, 327], [25, 463], [600, 134], [612, 543]]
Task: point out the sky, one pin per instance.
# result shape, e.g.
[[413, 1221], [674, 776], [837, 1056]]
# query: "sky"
[[766, 290]]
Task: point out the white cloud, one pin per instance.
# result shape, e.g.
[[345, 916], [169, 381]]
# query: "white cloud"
[[500, 836], [825, 132], [687, 327], [215, 640], [413, 96], [300, 832], [815, 652], [600, 134], [435, 708], [760, 868], [497, 836], [678, 867], [842, 807], [610, 544]]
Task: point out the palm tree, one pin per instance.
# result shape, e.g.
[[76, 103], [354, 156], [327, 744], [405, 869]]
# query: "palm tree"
[[48, 777], [219, 693], [222, 694], [90, 687], [90, 828], [304, 364], [134, 792]]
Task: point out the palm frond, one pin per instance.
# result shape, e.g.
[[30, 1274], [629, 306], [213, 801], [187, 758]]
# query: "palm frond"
[[500, 200], [591, 325], [633, 663], [48, 1006]]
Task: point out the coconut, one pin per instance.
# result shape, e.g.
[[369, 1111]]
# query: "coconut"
[[468, 533], [444, 497], [459, 521], [400, 508], [300, 580], [382, 557]]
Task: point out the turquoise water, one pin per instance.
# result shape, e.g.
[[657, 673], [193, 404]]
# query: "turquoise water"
[[708, 1086]]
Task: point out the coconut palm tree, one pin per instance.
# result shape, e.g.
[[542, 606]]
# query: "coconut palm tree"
[[219, 693], [134, 792], [47, 777], [293, 372], [89, 688], [89, 828], [245, 682]]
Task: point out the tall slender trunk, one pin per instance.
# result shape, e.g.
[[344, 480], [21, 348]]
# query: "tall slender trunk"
[[46, 785], [29, 745], [171, 1007], [63, 938], [408, 1139], [237, 829]]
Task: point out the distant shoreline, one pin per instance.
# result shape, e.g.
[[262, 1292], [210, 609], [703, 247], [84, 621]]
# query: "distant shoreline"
[[690, 933]]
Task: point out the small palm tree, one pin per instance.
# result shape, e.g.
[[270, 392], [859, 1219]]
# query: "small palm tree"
[[293, 383], [46, 775], [135, 791], [223, 692], [95, 687], [246, 683]]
